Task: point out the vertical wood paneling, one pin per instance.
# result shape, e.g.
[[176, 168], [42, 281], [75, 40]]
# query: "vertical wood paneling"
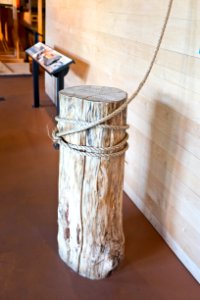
[[112, 43]]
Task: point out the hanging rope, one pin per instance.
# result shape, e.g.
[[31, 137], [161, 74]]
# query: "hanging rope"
[[58, 136]]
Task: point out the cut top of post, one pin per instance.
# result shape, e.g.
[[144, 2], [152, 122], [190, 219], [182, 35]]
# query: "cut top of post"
[[95, 93]]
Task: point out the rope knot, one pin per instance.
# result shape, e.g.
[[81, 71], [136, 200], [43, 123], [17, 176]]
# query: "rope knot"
[[55, 139]]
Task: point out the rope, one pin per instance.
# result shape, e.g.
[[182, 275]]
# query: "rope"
[[92, 151], [57, 136], [95, 154]]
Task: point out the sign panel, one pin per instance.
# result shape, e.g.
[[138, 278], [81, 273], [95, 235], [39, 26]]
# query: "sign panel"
[[51, 60]]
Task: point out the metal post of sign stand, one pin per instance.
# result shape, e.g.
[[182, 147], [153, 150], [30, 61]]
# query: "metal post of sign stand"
[[60, 86], [36, 94]]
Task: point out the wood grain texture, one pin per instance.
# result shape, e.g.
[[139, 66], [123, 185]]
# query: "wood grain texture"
[[114, 42], [90, 237]]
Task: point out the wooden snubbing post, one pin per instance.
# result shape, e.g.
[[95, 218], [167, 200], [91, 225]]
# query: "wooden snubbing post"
[[90, 231]]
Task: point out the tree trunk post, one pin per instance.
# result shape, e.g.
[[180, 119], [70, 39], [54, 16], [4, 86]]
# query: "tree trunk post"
[[90, 230]]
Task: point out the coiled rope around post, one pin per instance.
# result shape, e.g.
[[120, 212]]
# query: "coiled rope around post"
[[57, 136]]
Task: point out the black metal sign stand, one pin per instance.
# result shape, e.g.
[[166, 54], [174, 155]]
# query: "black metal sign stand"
[[54, 63], [36, 93]]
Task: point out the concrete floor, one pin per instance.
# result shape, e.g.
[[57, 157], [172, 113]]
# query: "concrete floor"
[[30, 268]]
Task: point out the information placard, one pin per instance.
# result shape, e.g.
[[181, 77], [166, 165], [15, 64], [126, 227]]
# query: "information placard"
[[51, 60]]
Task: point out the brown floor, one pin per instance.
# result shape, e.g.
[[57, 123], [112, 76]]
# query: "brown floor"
[[30, 268]]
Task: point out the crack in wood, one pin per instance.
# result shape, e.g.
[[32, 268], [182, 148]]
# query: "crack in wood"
[[81, 215]]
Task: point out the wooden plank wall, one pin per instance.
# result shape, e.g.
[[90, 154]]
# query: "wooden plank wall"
[[112, 43]]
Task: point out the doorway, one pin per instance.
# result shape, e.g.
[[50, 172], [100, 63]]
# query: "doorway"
[[20, 20]]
